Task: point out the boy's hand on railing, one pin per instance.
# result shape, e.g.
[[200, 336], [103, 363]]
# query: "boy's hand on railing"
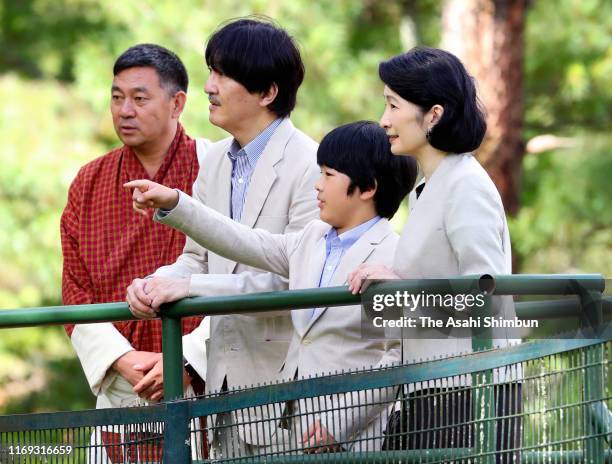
[[318, 440], [138, 301], [149, 194], [124, 365], [367, 271], [151, 387]]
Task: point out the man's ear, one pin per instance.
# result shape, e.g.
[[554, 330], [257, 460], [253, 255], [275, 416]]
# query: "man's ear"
[[178, 101], [269, 95]]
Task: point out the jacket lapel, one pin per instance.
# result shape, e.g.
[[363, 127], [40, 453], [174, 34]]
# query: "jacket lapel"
[[264, 176], [355, 255], [224, 191], [218, 197], [301, 317]]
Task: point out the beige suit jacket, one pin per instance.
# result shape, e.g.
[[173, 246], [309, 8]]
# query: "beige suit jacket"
[[457, 226], [247, 350], [334, 339]]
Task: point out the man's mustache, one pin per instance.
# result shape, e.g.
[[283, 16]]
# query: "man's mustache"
[[212, 99]]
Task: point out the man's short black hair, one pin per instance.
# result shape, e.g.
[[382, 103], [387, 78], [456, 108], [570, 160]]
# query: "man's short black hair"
[[361, 150], [257, 53], [170, 69], [428, 76]]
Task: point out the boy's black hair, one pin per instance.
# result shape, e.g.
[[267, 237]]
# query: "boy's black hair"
[[170, 69], [361, 150], [429, 76], [257, 53]]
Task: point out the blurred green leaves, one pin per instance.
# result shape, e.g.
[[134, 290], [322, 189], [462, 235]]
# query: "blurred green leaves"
[[565, 222], [569, 66]]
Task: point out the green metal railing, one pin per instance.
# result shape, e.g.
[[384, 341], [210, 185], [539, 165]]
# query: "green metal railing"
[[588, 304]]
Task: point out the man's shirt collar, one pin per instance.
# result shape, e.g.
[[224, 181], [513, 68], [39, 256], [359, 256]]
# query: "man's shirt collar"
[[255, 147]]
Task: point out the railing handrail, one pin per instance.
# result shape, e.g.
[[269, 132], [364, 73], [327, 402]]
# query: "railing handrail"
[[580, 285], [521, 284]]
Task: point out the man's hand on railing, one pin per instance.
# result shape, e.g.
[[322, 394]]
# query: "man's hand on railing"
[[138, 301], [165, 290], [318, 440], [145, 296], [151, 387], [124, 365], [149, 194]]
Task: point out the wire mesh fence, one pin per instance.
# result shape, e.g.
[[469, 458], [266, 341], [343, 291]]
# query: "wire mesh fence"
[[142, 442], [547, 414], [554, 408]]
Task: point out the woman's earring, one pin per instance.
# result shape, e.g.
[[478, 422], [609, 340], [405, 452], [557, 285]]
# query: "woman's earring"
[[428, 134]]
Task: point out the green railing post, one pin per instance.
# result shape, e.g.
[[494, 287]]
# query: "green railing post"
[[177, 448], [172, 347], [483, 397], [592, 319]]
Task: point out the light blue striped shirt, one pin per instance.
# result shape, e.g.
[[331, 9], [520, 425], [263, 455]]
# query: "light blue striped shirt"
[[244, 161], [335, 248]]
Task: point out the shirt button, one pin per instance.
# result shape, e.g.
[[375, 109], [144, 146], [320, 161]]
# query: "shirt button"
[[306, 341], [241, 180]]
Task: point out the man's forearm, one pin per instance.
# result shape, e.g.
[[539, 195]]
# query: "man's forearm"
[[98, 346]]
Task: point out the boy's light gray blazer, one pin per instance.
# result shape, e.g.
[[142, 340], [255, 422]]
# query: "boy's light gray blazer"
[[456, 227], [334, 339], [281, 198]]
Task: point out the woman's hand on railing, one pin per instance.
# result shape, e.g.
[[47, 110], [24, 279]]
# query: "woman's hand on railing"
[[368, 271], [149, 194]]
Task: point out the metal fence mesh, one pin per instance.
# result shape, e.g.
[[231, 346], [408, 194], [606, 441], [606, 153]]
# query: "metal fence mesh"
[[125, 443], [554, 408]]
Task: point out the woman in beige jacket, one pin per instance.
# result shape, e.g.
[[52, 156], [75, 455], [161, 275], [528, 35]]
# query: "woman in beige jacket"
[[456, 224]]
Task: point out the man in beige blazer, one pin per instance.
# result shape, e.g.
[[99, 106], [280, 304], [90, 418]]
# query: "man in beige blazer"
[[361, 185], [261, 177]]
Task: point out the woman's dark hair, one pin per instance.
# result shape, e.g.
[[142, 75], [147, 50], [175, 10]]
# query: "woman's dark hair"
[[361, 150], [170, 69], [257, 53], [429, 76]]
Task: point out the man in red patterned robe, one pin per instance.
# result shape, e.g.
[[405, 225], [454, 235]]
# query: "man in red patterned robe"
[[105, 245]]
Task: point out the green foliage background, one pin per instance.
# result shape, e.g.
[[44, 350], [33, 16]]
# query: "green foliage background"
[[55, 72]]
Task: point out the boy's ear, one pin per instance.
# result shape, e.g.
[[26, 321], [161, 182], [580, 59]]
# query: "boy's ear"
[[369, 194]]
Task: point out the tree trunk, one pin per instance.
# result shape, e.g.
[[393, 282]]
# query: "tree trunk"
[[487, 35]]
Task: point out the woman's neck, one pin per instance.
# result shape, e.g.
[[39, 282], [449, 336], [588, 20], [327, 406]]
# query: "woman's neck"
[[429, 160]]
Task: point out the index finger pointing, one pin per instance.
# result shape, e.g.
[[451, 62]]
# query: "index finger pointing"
[[140, 184]]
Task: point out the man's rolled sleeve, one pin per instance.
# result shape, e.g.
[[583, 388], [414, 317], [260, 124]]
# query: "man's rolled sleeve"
[[98, 346]]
